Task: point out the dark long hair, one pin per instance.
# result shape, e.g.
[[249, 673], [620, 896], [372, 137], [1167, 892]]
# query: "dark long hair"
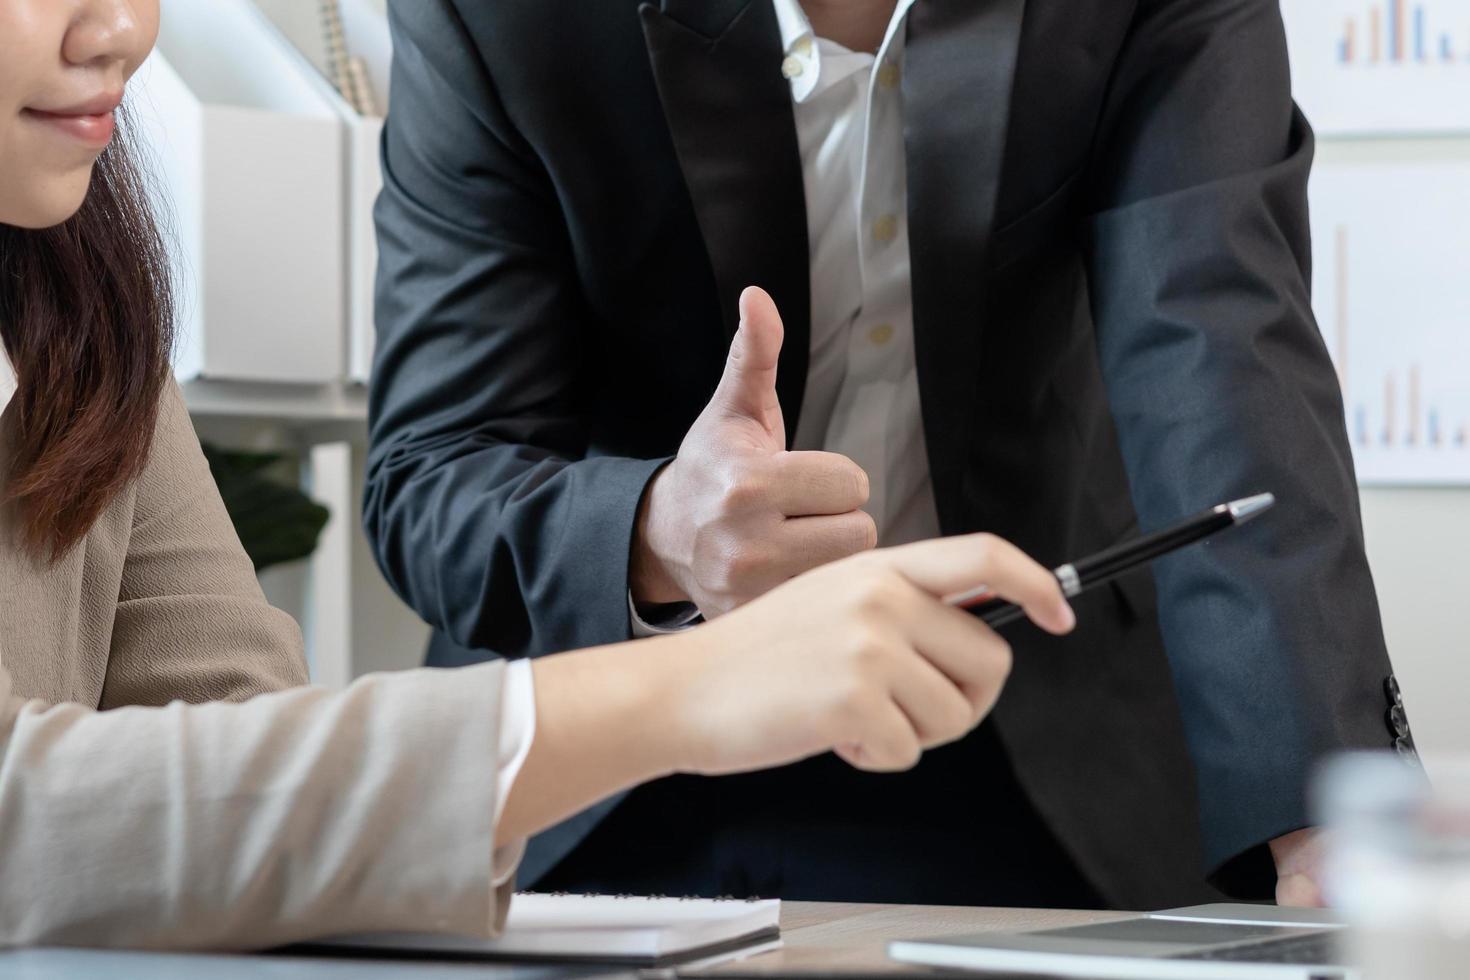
[[86, 313]]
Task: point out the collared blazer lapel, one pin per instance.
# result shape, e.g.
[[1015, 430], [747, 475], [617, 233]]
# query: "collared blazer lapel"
[[717, 65], [959, 73]]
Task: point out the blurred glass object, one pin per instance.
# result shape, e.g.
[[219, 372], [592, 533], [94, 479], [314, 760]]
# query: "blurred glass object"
[[1398, 864]]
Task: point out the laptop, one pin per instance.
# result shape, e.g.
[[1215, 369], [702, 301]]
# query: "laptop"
[[1203, 942]]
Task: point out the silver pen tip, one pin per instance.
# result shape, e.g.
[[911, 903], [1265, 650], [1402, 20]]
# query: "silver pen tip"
[[1248, 507]]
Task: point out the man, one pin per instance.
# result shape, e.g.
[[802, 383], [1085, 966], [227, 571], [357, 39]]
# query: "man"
[[1034, 266]]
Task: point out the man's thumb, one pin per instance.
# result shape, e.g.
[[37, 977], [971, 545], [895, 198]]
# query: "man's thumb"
[[748, 387]]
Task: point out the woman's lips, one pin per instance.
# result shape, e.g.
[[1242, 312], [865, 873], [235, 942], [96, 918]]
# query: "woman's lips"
[[91, 123]]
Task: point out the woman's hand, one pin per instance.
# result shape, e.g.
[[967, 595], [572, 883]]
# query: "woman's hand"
[[860, 657]]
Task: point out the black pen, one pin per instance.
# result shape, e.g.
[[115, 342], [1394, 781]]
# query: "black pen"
[[1106, 565]]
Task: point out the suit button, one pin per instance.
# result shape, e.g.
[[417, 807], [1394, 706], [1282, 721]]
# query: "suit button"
[[1398, 721], [1404, 746], [1391, 689]]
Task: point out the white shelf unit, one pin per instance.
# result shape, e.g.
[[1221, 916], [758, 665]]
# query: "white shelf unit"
[[250, 159], [334, 406], [365, 27]]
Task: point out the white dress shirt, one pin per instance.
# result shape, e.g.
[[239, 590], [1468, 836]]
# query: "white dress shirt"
[[517, 705], [862, 385], [862, 388]]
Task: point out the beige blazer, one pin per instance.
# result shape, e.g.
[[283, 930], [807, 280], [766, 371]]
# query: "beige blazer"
[[283, 815]]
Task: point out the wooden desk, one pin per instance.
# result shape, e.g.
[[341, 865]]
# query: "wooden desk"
[[817, 938], [852, 939]]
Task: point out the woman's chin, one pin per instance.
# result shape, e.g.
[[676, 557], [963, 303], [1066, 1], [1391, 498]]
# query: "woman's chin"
[[44, 203]]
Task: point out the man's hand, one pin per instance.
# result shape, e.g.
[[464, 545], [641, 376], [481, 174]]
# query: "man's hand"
[[1299, 868], [735, 514]]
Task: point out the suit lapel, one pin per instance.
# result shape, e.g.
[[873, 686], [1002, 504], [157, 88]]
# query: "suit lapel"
[[959, 69], [717, 65]]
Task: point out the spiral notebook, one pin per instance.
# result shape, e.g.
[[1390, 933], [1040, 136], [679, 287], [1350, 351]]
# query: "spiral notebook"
[[599, 928]]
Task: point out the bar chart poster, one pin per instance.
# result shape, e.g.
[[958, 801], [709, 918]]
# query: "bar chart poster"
[[1381, 67], [1391, 288]]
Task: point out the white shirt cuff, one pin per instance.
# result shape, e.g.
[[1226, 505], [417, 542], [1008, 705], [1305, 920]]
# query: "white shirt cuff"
[[685, 616], [517, 731]]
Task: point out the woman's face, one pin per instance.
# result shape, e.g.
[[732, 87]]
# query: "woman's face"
[[63, 67]]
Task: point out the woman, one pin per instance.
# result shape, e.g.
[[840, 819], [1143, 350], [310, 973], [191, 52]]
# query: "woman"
[[263, 812]]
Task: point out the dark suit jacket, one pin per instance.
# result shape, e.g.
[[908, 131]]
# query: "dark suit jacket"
[[1109, 239]]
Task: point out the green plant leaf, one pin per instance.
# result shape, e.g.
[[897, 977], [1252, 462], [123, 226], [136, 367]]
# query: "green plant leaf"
[[276, 522]]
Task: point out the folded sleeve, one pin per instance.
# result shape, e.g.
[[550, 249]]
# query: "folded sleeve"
[[292, 816]]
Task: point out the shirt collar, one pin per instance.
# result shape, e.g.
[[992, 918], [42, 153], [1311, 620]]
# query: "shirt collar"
[[802, 49], [794, 23], [801, 62], [7, 380]]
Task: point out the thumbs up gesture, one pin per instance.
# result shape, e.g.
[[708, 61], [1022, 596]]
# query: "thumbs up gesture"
[[735, 514]]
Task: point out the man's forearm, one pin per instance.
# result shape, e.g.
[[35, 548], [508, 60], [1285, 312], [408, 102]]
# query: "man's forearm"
[[502, 556]]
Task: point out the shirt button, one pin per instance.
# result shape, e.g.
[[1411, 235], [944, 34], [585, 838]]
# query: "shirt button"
[[881, 334], [803, 44], [792, 67], [885, 229], [889, 76]]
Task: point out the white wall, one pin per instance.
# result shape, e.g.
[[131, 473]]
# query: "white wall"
[[1417, 540]]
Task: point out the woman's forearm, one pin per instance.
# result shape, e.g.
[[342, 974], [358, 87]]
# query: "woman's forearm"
[[603, 724]]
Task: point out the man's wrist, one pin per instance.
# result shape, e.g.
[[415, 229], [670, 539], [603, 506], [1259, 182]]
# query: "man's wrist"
[[649, 579]]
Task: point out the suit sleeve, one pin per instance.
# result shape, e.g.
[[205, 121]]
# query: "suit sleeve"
[[1221, 386], [483, 512]]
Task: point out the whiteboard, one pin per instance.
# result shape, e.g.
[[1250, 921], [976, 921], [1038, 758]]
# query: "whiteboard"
[[1381, 67], [1391, 288]]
